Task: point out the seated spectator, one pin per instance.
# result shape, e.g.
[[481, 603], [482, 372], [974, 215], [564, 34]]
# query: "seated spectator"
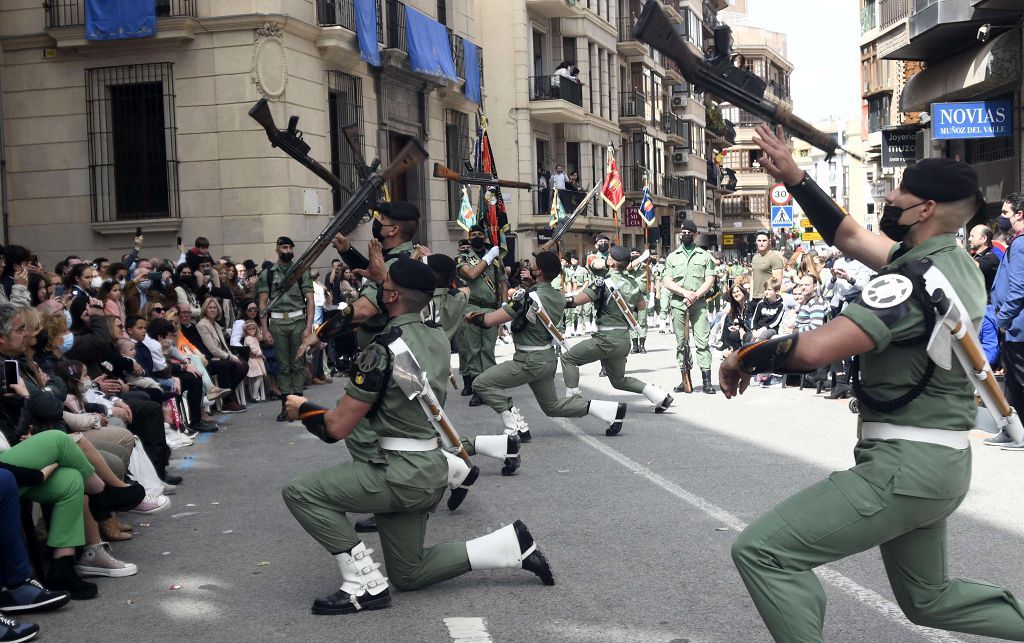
[[738, 315], [79, 280], [38, 290], [767, 313], [208, 337], [187, 288], [812, 309]]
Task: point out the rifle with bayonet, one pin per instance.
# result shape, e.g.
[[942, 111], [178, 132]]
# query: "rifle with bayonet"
[[719, 76], [477, 178], [351, 213], [566, 223]]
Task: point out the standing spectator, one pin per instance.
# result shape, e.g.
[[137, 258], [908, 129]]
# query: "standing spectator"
[[558, 178], [766, 264], [110, 295], [987, 260], [257, 365], [1008, 301], [321, 301], [333, 280], [543, 189]]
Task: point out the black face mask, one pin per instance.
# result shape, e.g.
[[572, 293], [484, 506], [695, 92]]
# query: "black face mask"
[[377, 230], [686, 239], [286, 257], [477, 243], [1004, 223], [602, 247], [890, 224]]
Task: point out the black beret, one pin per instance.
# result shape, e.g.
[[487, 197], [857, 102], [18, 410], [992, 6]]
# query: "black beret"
[[399, 211], [688, 224], [412, 274], [620, 254], [548, 261], [285, 241], [249, 264], [600, 237], [442, 264], [476, 228], [941, 180], [632, 250]]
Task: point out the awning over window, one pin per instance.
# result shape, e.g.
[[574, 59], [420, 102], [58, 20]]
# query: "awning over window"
[[966, 75]]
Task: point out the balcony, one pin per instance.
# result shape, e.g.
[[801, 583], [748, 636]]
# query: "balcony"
[[633, 180], [628, 45], [396, 26], [555, 99], [65, 22], [673, 75], [892, 12], [721, 179], [711, 15], [941, 28], [554, 8], [677, 129], [718, 126], [678, 189], [635, 110]]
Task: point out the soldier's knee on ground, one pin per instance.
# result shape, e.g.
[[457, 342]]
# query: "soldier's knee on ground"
[[291, 494]]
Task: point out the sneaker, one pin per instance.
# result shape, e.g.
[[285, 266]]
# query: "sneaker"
[[233, 407], [1014, 446], [999, 439], [31, 596], [12, 631], [217, 393], [202, 426], [170, 489], [97, 560], [152, 504]]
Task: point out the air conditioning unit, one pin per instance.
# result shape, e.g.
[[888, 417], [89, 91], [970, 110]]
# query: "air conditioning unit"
[[679, 101], [680, 156]]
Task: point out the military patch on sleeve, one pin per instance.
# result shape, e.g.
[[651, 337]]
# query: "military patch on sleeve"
[[370, 370], [887, 296]]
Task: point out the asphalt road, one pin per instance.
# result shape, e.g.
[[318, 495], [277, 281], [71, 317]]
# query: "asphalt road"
[[637, 528]]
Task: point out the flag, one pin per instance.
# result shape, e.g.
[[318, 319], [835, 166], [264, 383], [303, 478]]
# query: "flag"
[[495, 222], [647, 205], [613, 192], [557, 209], [466, 218]]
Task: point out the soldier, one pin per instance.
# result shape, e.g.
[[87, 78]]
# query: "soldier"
[[488, 285], [689, 275], [610, 344], [404, 477], [558, 283], [535, 360], [576, 319], [597, 266], [640, 269], [913, 457], [290, 323]]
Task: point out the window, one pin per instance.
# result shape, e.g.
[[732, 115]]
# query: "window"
[[442, 12], [878, 111], [457, 146], [344, 108], [133, 161], [569, 50]]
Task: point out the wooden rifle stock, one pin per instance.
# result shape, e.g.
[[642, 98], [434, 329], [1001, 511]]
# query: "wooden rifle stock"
[[290, 142], [449, 431], [477, 178], [687, 358]]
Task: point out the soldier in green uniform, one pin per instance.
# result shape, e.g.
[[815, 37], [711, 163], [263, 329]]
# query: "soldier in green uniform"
[[485, 275], [639, 267], [289, 323], [559, 284], [404, 476], [596, 266], [535, 360], [610, 344], [576, 319], [913, 456], [689, 275]]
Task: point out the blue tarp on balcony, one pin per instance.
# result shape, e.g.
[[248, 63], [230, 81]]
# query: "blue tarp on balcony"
[[472, 88], [430, 52], [366, 31], [119, 19]]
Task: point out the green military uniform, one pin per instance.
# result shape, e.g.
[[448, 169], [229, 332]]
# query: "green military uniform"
[[664, 297], [366, 331], [400, 487], [446, 308], [688, 269], [287, 323], [577, 318], [640, 274], [476, 345]]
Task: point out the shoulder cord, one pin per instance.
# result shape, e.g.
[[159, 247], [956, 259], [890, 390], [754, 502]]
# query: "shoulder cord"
[[519, 321]]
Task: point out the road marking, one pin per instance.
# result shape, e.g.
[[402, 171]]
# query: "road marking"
[[861, 594], [467, 630]]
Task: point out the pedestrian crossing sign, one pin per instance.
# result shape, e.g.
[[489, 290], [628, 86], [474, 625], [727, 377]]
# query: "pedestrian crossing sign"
[[782, 216]]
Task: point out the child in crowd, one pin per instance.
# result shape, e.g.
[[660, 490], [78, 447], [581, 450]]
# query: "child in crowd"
[[767, 313], [257, 365], [137, 379]]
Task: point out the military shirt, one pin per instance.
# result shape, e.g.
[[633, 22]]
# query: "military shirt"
[[483, 291], [598, 255], [533, 332], [688, 270], [447, 307], [609, 314], [399, 417], [578, 275], [891, 369], [374, 325], [295, 298]]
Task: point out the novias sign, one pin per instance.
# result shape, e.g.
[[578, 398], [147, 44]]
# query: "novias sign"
[[985, 119]]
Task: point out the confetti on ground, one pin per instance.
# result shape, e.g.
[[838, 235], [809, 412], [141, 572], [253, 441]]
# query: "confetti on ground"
[[191, 504], [166, 553], [214, 503], [130, 601], [263, 563], [135, 533], [143, 524], [174, 587], [563, 471], [184, 514], [228, 531], [721, 529]]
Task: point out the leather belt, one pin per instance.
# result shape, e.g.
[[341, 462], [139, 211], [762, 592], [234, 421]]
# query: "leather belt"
[[407, 444], [532, 349], [886, 431], [288, 315], [603, 328]]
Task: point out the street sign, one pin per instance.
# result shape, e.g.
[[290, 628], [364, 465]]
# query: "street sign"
[[780, 194], [782, 216], [807, 231], [899, 146], [728, 240], [633, 217], [983, 119]]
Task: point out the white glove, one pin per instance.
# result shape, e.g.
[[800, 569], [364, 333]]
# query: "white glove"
[[491, 255]]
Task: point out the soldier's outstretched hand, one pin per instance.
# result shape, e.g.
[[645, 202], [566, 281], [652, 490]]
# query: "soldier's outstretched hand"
[[731, 378], [340, 243], [292, 404], [778, 157], [376, 270]]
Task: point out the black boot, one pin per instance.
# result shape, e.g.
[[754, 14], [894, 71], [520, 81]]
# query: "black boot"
[[681, 388], [707, 388], [636, 346], [643, 348], [366, 525], [64, 578], [467, 385], [282, 416], [458, 494], [603, 373], [535, 562], [616, 426], [511, 464]]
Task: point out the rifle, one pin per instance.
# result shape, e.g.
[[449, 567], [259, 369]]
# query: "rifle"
[[564, 224], [720, 77], [346, 218], [477, 178], [687, 358]]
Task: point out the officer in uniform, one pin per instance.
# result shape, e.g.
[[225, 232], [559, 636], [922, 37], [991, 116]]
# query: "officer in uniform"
[[289, 324], [597, 266], [913, 457], [448, 303], [405, 474], [485, 275], [610, 344], [576, 319], [638, 266], [535, 360], [689, 275]]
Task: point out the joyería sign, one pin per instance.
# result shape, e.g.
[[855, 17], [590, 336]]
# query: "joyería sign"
[[986, 119]]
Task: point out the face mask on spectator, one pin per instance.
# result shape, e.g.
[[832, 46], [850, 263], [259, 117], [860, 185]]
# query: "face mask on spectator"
[[96, 283], [145, 284], [69, 341], [86, 384], [67, 317], [121, 282]]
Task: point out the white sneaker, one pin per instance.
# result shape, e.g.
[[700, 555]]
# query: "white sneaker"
[[152, 504], [97, 560]]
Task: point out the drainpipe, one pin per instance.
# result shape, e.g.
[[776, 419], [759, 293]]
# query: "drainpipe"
[[3, 174]]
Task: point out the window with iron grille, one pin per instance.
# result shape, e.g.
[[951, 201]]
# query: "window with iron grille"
[[344, 108], [133, 159], [457, 145]]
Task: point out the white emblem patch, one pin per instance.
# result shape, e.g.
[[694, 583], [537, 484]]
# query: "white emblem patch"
[[887, 291]]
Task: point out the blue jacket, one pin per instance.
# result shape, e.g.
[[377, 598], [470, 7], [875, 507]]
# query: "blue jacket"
[[1008, 292], [989, 338]]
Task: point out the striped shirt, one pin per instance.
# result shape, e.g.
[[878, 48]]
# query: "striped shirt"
[[811, 315]]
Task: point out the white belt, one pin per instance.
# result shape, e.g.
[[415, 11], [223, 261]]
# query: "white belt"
[[886, 431], [600, 327], [288, 315], [532, 349], [407, 444]]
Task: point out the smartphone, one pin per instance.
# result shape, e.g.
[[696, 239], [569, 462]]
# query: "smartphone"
[[138, 231], [58, 291], [179, 241], [11, 373]]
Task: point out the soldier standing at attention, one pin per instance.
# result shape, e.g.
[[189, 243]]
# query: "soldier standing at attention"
[[610, 344], [289, 323], [406, 473], [638, 267], [576, 320], [597, 266], [913, 456], [689, 275], [488, 285]]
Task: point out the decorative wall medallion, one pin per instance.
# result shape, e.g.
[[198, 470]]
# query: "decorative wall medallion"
[[269, 63]]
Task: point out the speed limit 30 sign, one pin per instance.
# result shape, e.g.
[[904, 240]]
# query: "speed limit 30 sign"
[[780, 194]]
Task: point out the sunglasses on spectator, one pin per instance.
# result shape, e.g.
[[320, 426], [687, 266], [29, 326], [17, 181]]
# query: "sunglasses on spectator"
[[251, 308], [158, 310]]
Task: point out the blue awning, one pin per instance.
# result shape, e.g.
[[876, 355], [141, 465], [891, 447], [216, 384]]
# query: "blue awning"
[[366, 31], [429, 50], [472, 88], [119, 19]]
